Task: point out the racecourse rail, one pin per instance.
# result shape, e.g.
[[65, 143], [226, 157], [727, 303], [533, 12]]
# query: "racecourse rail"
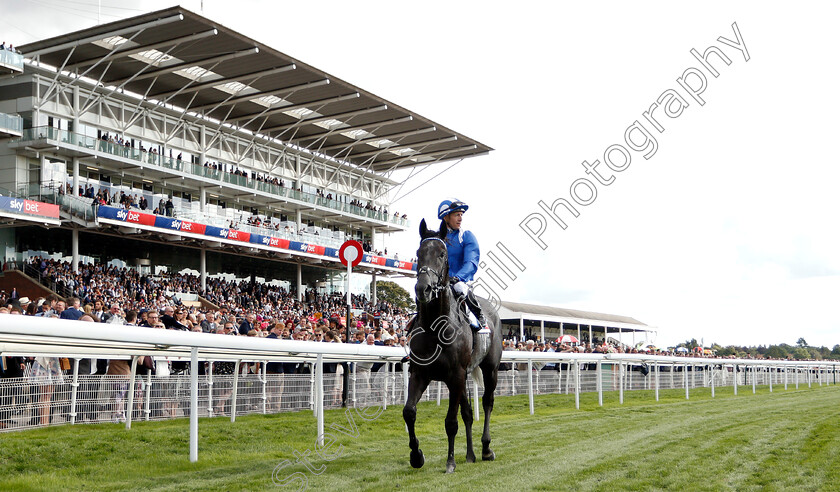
[[36, 336]]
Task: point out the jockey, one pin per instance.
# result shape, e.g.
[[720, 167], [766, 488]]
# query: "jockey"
[[463, 260]]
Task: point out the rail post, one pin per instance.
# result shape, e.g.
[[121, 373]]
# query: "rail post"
[[530, 388], [129, 412], [74, 389], [193, 402]]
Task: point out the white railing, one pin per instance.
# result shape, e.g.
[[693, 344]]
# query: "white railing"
[[105, 398]]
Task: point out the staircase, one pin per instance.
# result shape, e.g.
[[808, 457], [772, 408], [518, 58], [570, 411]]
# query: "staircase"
[[26, 286]]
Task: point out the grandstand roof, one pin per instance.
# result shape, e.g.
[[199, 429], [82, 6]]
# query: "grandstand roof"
[[513, 310], [177, 57]]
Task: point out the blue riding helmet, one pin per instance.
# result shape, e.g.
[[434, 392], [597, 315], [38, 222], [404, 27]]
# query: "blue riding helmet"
[[446, 207]]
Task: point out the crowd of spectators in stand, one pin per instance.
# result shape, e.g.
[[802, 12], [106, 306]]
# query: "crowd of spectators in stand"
[[248, 305], [253, 175], [252, 308], [123, 296]]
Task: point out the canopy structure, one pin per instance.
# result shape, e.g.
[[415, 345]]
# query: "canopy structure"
[[179, 59], [553, 322]]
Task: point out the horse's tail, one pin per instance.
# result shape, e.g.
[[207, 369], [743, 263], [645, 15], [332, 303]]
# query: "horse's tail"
[[477, 376]]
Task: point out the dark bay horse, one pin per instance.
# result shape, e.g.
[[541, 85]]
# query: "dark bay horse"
[[445, 348]]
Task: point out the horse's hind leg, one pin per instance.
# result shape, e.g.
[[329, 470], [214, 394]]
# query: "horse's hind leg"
[[416, 386], [490, 378], [467, 417]]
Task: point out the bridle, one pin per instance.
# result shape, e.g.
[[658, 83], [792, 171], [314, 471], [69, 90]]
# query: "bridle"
[[441, 279]]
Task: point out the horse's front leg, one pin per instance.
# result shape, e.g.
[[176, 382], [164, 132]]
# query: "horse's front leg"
[[456, 392], [467, 417], [416, 386]]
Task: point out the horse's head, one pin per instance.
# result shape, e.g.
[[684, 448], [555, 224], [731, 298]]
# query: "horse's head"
[[432, 263]]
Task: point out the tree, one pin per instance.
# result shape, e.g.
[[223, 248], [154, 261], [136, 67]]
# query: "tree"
[[801, 342], [801, 353], [391, 292], [726, 351], [776, 352], [690, 344]]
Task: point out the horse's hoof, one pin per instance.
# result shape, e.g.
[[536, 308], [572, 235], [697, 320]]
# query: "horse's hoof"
[[470, 457], [488, 455], [417, 459], [450, 466]]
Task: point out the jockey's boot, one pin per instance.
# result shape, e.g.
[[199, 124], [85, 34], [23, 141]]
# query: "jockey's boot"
[[477, 321]]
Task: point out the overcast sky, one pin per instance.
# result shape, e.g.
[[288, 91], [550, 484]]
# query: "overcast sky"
[[727, 233]]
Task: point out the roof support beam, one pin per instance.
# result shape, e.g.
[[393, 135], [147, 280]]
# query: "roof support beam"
[[377, 138], [252, 77], [405, 146], [312, 121], [254, 95], [97, 37], [179, 66], [374, 126], [399, 160], [128, 51], [291, 107]]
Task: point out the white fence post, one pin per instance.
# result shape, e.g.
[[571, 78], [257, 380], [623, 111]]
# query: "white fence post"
[[530, 388], [600, 384], [319, 394], [475, 397], [193, 403], [210, 389], [129, 412], [577, 384], [735, 378], [685, 378], [621, 383], [312, 395], [656, 380], [74, 391], [405, 381], [233, 402], [264, 387], [353, 380], [771, 371], [147, 408], [712, 379]]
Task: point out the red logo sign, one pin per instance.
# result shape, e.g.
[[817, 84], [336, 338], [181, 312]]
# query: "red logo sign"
[[350, 253]]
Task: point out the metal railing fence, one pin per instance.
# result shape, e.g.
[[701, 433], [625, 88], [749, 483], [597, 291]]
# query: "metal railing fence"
[[73, 398]]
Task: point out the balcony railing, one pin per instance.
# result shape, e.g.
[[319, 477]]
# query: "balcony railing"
[[86, 209], [11, 60], [80, 207], [10, 123], [170, 163]]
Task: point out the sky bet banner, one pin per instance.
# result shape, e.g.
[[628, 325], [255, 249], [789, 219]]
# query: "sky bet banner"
[[213, 232], [28, 208]]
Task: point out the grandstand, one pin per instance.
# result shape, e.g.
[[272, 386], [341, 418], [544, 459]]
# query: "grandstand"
[[168, 140], [531, 321]]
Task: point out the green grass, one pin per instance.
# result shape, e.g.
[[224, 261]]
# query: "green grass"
[[787, 440]]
